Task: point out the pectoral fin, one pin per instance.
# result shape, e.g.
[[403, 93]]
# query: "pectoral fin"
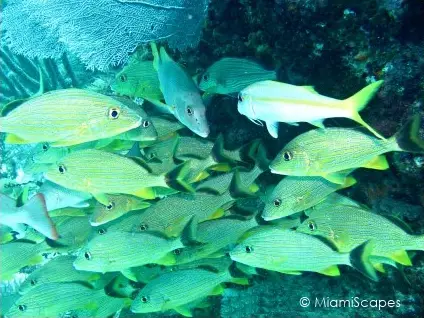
[[272, 128]]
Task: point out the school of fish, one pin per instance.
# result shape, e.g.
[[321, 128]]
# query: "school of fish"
[[143, 211]]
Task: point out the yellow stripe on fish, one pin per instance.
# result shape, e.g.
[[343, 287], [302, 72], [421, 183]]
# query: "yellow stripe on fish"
[[274, 102], [68, 117]]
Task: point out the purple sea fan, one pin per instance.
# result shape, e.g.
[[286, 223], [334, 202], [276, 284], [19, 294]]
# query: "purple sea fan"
[[102, 32]]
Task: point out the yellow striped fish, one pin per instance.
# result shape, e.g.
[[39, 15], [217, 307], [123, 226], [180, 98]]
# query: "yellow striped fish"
[[18, 254], [328, 152], [99, 172], [296, 194], [60, 269], [291, 252], [274, 102], [115, 251], [138, 79], [231, 75], [349, 226], [68, 117], [171, 214], [176, 289], [114, 207], [55, 299]]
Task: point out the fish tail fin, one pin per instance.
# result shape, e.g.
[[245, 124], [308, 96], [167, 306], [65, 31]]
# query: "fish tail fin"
[[359, 101], [408, 137], [262, 160], [360, 260], [236, 188], [156, 57], [219, 153], [176, 178], [38, 217]]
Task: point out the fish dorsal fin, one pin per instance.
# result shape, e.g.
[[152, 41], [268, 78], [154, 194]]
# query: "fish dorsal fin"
[[11, 106], [310, 89], [156, 57], [14, 104], [164, 55], [400, 223]]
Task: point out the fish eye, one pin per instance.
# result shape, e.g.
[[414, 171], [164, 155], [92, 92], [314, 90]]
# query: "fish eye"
[[287, 155], [62, 169], [277, 202], [312, 226], [114, 113], [205, 77], [249, 249], [144, 299], [123, 78], [143, 227], [33, 282], [240, 98], [177, 251], [45, 147], [102, 231], [189, 111], [145, 123], [110, 206], [22, 307], [87, 256]]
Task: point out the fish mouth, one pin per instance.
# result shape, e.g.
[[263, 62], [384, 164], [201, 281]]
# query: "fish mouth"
[[269, 217], [203, 134], [272, 170]]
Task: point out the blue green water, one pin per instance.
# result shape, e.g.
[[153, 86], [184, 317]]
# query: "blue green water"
[[212, 190]]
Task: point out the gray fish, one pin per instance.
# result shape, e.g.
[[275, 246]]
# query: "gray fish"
[[180, 92]]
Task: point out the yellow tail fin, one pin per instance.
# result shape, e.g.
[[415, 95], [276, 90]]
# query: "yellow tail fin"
[[359, 101]]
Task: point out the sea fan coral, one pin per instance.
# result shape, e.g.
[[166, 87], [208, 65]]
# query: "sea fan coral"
[[100, 32]]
